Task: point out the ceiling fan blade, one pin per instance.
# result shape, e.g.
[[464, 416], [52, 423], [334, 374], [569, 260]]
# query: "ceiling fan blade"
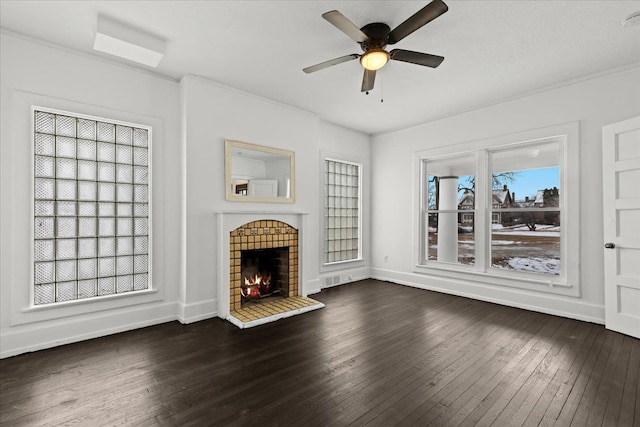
[[419, 58], [368, 80], [329, 63], [344, 25], [417, 20]]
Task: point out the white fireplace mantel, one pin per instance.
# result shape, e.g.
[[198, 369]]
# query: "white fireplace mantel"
[[230, 220]]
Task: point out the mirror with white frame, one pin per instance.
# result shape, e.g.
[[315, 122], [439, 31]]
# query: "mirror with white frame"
[[255, 173]]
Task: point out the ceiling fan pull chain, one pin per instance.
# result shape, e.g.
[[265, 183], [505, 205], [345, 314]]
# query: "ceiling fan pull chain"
[[382, 88]]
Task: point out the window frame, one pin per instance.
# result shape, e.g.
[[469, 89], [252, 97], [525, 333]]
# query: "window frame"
[[324, 223], [97, 298], [568, 283]]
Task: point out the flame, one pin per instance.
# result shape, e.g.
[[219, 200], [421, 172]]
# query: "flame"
[[256, 285]]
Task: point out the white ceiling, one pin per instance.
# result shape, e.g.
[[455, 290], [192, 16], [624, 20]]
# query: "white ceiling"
[[493, 50]]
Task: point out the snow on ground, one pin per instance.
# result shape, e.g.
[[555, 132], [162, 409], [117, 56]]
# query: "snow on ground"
[[533, 265]]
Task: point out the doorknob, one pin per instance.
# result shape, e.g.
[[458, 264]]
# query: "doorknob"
[[609, 245]]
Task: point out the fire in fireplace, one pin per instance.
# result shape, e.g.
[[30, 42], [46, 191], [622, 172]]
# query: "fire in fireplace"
[[265, 272]]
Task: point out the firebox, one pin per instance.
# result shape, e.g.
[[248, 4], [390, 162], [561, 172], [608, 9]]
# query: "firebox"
[[263, 261], [265, 273]]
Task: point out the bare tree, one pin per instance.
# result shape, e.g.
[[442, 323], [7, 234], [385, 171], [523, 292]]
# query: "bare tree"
[[498, 181], [529, 219]]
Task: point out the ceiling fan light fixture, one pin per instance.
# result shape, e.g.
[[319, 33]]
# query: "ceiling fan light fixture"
[[374, 59]]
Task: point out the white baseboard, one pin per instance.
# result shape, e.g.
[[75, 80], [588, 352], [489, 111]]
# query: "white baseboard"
[[311, 287], [197, 311], [330, 279], [36, 337], [569, 307]]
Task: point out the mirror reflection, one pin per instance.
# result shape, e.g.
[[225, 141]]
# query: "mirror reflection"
[[258, 173]]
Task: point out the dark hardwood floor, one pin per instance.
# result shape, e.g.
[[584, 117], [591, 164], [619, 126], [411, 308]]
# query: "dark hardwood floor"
[[379, 354]]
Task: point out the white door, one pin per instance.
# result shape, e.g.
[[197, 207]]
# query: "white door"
[[621, 190]]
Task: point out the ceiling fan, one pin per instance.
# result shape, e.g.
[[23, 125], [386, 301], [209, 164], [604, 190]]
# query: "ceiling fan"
[[374, 37]]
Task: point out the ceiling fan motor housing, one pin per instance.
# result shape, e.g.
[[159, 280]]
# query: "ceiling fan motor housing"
[[377, 33]]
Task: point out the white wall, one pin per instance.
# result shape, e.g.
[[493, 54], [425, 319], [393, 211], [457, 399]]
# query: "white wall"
[[35, 74], [595, 102], [348, 145]]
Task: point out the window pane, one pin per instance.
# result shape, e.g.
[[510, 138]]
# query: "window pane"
[[451, 187], [460, 248], [526, 177], [82, 249], [341, 211], [531, 244], [451, 183]]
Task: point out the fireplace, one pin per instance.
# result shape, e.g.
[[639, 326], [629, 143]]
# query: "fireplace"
[[263, 262], [268, 245]]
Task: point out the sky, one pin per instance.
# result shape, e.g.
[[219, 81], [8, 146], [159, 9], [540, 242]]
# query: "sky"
[[527, 183]]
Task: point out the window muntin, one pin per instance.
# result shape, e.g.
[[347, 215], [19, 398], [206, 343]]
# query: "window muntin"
[[342, 211], [91, 208]]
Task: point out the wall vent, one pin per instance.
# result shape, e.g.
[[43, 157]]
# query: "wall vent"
[[332, 280]]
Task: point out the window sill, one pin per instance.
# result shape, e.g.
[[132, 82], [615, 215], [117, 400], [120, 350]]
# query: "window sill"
[[93, 300], [553, 285], [88, 306], [340, 263]]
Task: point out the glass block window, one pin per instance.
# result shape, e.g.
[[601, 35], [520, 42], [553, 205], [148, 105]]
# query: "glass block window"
[[341, 211], [91, 208]]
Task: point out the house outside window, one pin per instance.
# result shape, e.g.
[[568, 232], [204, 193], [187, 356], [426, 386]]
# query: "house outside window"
[[498, 209], [342, 211], [91, 222]]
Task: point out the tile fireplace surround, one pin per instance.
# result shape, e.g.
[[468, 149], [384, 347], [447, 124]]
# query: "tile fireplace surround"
[[241, 231]]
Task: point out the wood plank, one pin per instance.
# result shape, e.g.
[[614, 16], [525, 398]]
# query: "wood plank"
[[378, 354], [629, 411], [584, 383], [580, 340], [610, 402]]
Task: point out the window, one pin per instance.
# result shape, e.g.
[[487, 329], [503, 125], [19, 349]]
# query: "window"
[[342, 211], [497, 208], [451, 209], [91, 207], [526, 200]]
